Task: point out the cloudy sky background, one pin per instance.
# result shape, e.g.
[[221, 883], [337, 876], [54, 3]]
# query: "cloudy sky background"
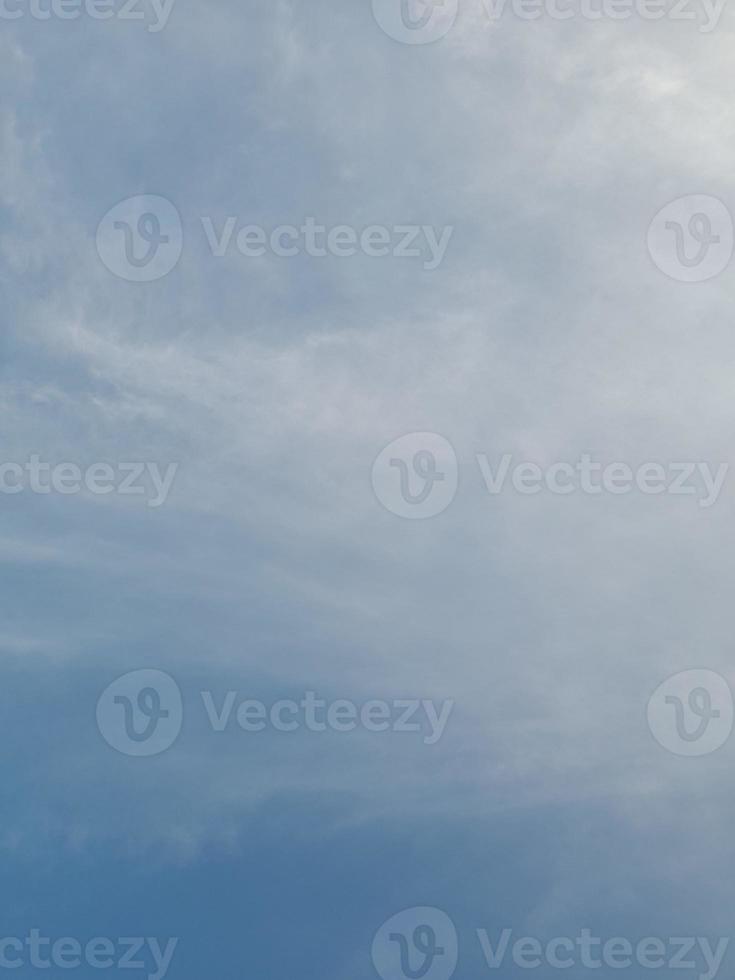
[[546, 332]]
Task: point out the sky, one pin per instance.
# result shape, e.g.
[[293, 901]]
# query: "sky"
[[366, 379]]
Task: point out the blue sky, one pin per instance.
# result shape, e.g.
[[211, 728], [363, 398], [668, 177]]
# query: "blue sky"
[[546, 332]]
